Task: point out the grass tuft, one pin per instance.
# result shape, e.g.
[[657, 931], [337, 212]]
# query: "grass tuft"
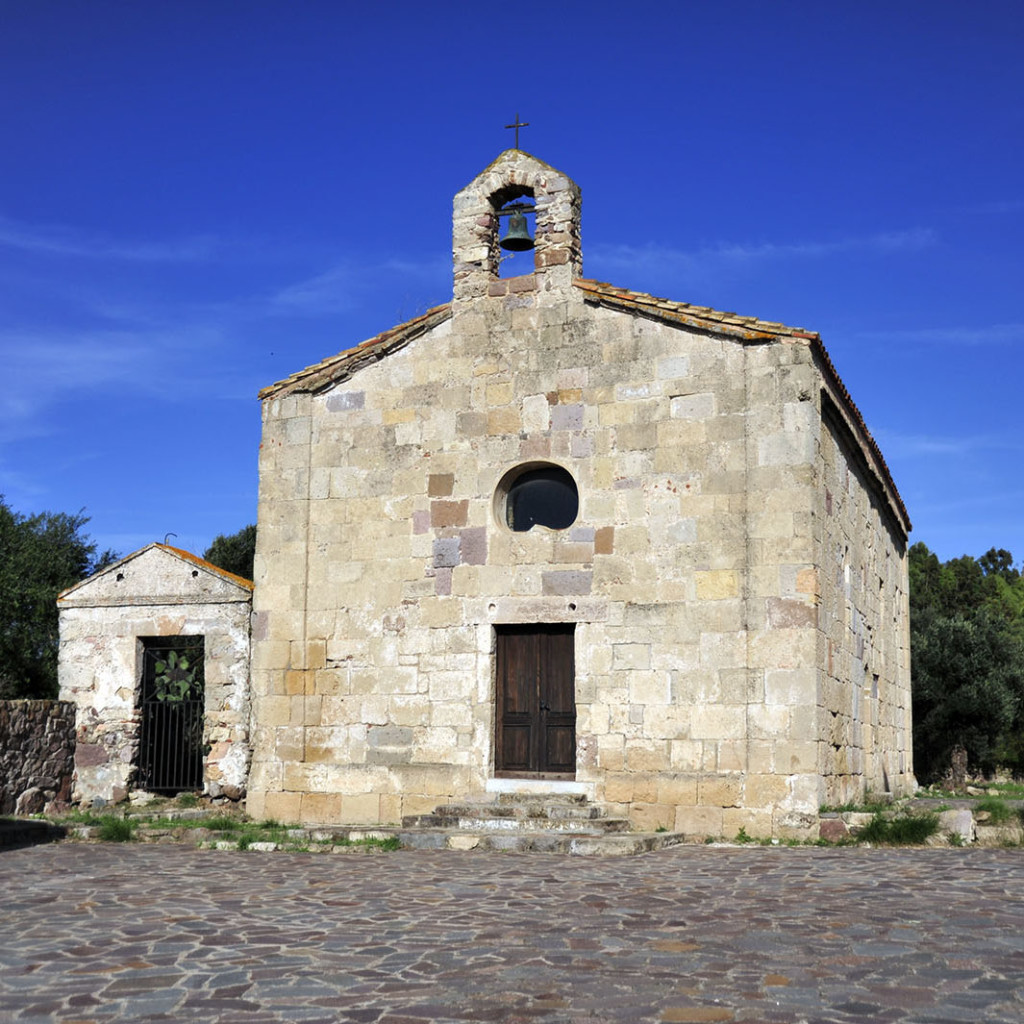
[[116, 830], [999, 811], [905, 830]]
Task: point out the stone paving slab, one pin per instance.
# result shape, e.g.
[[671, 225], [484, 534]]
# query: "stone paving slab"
[[110, 933]]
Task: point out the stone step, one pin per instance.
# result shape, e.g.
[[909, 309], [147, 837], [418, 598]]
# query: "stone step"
[[534, 811], [501, 823], [532, 798], [623, 844]]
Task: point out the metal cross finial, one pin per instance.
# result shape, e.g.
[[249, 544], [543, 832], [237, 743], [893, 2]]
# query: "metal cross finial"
[[518, 124]]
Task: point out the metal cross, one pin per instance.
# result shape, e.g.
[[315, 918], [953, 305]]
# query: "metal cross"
[[518, 124]]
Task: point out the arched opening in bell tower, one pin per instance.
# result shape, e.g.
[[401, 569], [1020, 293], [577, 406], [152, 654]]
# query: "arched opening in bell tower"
[[515, 218]]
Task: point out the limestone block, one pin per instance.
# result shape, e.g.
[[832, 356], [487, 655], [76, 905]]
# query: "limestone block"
[[757, 823], [625, 787], [686, 754], [731, 755], [283, 807], [717, 585], [644, 755], [699, 821], [647, 817], [675, 790], [765, 791], [361, 808], [693, 407], [795, 756], [790, 687], [723, 650], [611, 751], [720, 790]]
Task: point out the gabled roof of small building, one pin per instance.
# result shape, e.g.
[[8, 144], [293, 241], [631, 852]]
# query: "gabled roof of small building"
[[180, 553], [340, 367]]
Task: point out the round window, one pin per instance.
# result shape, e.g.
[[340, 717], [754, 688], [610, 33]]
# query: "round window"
[[539, 495]]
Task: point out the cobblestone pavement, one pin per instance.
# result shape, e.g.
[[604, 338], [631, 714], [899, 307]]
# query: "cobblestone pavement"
[[160, 933]]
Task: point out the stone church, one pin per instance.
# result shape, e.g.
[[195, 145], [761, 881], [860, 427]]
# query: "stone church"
[[557, 536]]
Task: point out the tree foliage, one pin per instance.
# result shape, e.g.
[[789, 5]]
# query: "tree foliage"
[[967, 648], [40, 556], [234, 552]]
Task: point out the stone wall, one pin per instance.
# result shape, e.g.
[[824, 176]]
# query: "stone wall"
[[864, 714], [689, 572], [155, 593], [693, 572], [37, 753]]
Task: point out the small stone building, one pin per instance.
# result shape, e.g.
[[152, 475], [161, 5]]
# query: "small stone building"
[[154, 652], [564, 537]]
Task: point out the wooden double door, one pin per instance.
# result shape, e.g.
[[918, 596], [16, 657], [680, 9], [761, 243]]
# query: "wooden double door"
[[536, 693]]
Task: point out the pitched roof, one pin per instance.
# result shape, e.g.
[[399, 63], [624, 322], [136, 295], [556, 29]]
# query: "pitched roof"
[[340, 367], [208, 566], [747, 328], [186, 556]]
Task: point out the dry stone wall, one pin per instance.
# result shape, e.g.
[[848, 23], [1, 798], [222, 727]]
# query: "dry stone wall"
[[37, 752]]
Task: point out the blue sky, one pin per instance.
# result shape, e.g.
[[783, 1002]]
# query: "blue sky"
[[200, 197]]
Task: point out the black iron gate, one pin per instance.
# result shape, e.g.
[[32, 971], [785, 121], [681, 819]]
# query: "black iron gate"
[[171, 728]]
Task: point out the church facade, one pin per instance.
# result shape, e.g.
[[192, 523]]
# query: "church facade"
[[558, 536]]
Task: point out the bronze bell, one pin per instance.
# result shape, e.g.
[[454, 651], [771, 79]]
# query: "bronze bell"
[[518, 238]]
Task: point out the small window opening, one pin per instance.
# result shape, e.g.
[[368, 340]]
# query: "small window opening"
[[543, 496]]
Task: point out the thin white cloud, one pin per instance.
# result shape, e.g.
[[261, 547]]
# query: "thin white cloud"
[[984, 334], [42, 369], [62, 240], [996, 207], [339, 289], [897, 445], [658, 257]]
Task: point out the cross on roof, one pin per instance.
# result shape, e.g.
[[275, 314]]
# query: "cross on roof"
[[517, 125]]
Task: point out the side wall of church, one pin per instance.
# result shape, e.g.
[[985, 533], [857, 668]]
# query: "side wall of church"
[[864, 716], [385, 566]]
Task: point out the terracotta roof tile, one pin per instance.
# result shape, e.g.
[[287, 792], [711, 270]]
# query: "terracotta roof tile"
[[209, 566], [748, 328], [340, 367]]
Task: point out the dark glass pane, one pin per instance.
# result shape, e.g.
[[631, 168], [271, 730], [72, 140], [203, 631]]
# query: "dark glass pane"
[[542, 497]]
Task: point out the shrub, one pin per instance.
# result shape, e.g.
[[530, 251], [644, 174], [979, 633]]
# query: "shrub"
[[999, 811], [222, 823], [905, 830], [117, 830]]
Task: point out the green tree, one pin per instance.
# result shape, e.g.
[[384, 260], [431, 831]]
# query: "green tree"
[[968, 674], [234, 552], [40, 556], [967, 654]]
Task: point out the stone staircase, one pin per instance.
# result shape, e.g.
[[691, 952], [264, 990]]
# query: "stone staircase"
[[518, 822]]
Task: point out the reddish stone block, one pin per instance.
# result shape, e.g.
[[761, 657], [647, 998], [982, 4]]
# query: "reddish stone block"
[[833, 829], [440, 485], [527, 283], [786, 614], [449, 513]]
